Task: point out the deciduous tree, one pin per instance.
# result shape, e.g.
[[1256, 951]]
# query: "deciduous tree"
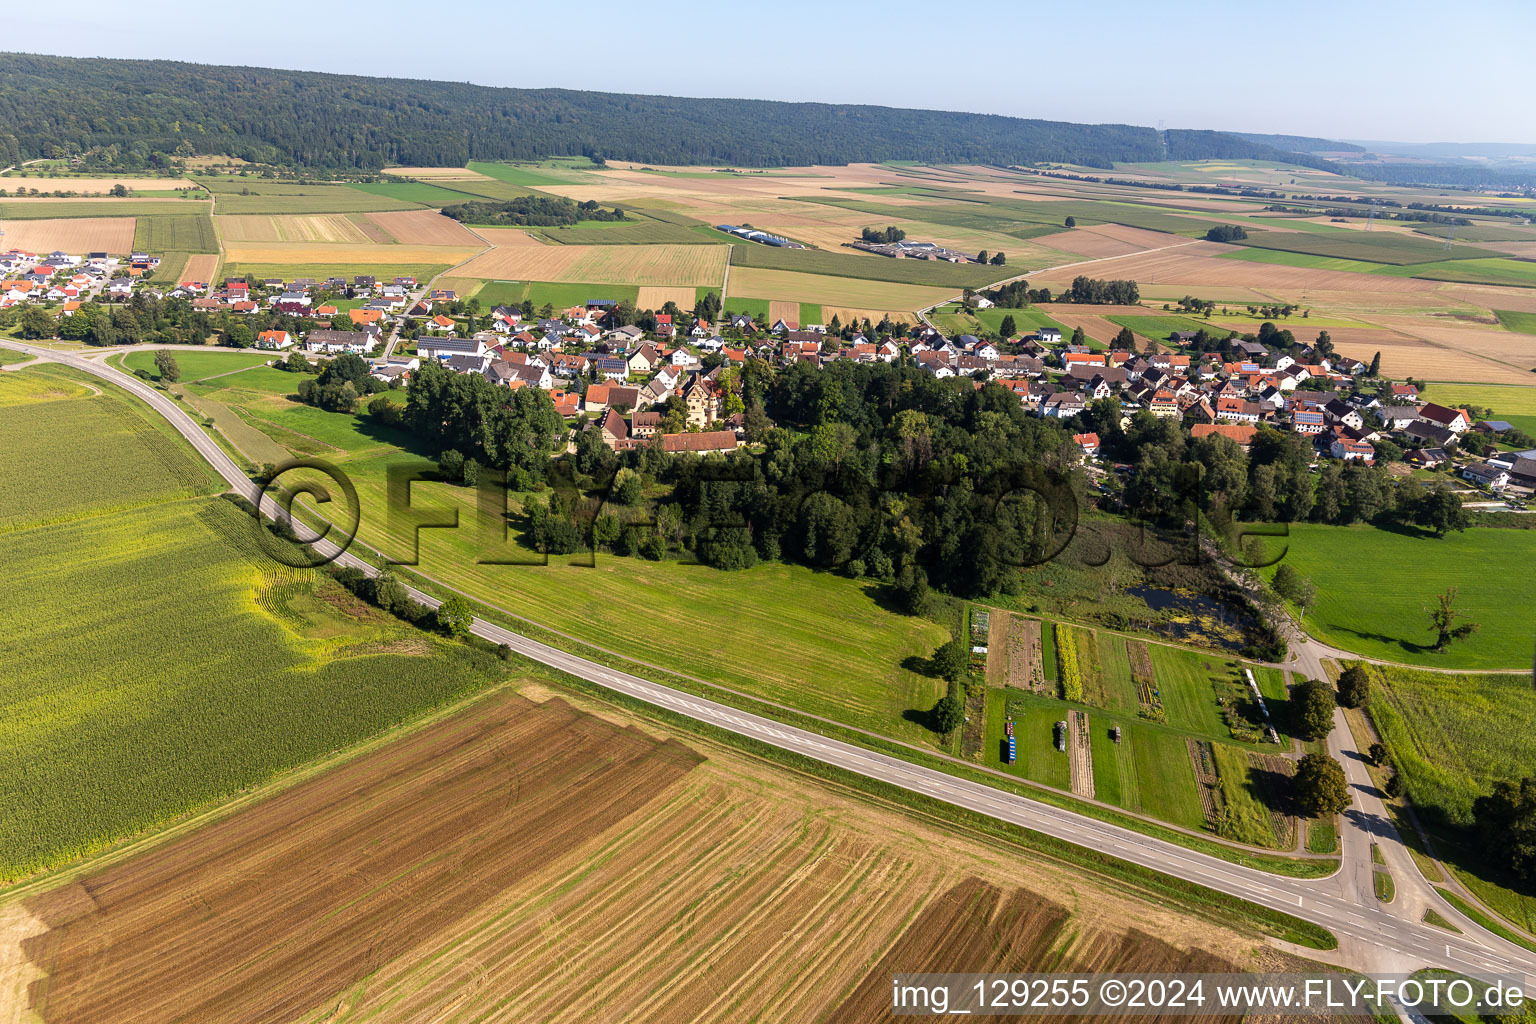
[[1320, 787]]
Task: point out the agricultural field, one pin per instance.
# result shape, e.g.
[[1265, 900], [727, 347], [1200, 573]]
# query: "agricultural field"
[[256, 196], [320, 271], [652, 297], [669, 265], [841, 893], [1157, 328], [100, 185], [866, 266], [647, 231], [1490, 270], [72, 234], [196, 268], [132, 458], [1452, 737], [339, 255], [1355, 612], [49, 209], [1286, 258], [1513, 320], [1375, 247], [182, 232], [1515, 404], [785, 286], [320, 227], [559, 294], [420, 192], [421, 227]]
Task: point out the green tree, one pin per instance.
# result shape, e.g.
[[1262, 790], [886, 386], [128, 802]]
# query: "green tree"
[[1377, 753], [1009, 328], [166, 366], [1440, 510], [389, 593], [454, 617], [1125, 339], [999, 259], [1294, 587], [119, 190], [1506, 820], [983, 256], [949, 712], [1354, 687], [1444, 617], [1320, 787], [952, 660], [1313, 703], [36, 323], [450, 465], [1078, 337], [1071, 222], [1375, 369]]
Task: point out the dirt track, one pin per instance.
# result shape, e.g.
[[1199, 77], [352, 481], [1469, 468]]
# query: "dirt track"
[[270, 913]]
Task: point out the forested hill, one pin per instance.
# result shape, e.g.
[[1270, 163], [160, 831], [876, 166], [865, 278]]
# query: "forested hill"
[[63, 106]]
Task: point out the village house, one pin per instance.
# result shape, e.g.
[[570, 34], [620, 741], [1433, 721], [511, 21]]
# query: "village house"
[[274, 340], [328, 342], [446, 348], [1491, 477]]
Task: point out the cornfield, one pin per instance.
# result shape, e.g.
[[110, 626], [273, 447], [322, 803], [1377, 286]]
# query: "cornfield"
[[116, 458], [221, 696]]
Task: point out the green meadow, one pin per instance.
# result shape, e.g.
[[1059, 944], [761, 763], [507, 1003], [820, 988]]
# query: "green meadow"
[[1374, 586]]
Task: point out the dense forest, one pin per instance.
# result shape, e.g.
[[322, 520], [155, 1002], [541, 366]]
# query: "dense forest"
[[141, 113]]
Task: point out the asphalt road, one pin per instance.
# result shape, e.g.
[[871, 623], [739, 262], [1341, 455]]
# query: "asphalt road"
[[1372, 936]]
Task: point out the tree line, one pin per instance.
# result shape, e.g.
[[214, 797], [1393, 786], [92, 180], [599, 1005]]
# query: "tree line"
[[531, 211], [154, 111]]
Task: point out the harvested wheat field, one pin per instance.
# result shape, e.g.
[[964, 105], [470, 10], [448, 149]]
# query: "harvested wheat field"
[[789, 285], [71, 234], [845, 314], [436, 173], [338, 255], [1489, 342], [291, 227], [789, 312], [201, 267], [423, 227], [506, 236], [654, 297], [526, 861], [603, 264], [1414, 357], [97, 186]]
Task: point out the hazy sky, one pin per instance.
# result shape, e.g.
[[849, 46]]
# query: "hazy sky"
[[1408, 71]]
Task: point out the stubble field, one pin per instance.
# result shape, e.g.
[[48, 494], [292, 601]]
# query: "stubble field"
[[668, 265], [78, 235]]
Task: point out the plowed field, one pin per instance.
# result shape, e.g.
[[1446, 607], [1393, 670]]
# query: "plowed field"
[[271, 912], [423, 227]]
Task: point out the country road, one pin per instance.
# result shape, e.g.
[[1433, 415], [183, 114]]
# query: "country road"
[[1372, 936]]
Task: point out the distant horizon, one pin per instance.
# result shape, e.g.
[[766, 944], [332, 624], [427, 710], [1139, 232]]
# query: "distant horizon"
[[1100, 62]]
